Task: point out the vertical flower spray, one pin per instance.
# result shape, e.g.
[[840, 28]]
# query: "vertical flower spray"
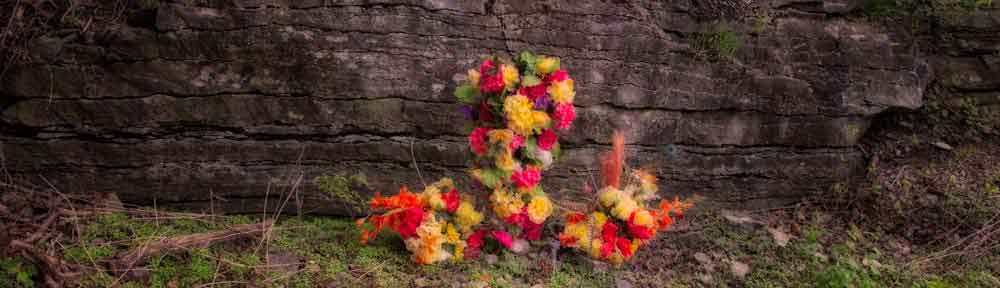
[[622, 219], [516, 110]]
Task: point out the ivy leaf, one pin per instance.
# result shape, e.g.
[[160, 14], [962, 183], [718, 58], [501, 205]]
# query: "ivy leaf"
[[528, 60], [530, 80], [531, 148], [466, 94]]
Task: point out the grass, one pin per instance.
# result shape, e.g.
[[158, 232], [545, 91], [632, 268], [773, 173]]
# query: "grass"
[[717, 41], [823, 254]]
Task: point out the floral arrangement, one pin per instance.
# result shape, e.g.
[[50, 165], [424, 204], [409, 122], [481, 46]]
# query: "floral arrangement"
[[621, 221], [435, 224], [515, 109]]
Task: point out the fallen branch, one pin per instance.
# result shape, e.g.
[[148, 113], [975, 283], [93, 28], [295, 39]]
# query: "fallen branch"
[[125, 261], [55, 270]]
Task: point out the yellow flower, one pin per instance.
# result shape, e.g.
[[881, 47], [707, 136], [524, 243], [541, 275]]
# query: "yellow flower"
[[547, 65], [433, 197], [452, 234], [506, 161], [504, 136], [474, 77], [520, 116], [562, 91], [539, 119], [426, 247], [624, 208], [609, 196], [505, 204], [581, 232], [643, 218], [467, 216], [459, 251], [510, 75], [539, 209], [616, 258], [597, 219], [430, 226], [635, 245], [595, 248]]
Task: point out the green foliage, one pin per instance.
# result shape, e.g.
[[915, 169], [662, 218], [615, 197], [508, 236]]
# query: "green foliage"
[[16, 273], [717, 41], [467, 94], [340, 187]]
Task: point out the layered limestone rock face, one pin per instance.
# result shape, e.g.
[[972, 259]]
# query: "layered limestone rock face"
[[251, 98]]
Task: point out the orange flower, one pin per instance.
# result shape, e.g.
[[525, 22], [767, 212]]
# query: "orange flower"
[[567, 240], [575, 217], [404, 199]]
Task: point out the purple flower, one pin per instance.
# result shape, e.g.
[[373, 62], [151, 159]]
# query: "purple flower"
[[542, 103], [469, 113]]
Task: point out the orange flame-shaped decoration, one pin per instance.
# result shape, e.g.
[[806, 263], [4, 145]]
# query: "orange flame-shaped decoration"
[[613, 161]]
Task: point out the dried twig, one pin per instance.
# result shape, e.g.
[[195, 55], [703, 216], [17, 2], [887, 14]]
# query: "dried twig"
[[127, 260]]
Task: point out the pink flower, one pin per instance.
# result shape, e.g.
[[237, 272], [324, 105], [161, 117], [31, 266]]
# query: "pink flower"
[[505, 239], [564, 115], [477, 140], [526, 178], [487, 66], [492, 83], [559, 75], [517, 142], [547, 139]]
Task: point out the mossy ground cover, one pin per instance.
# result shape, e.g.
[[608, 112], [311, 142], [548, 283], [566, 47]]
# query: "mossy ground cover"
[[823, 250]]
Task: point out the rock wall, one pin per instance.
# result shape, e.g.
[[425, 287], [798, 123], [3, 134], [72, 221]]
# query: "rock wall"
[[237, 100]]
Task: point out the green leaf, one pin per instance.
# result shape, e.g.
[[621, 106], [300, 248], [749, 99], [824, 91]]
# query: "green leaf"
[[530, 80], [556, 152], [466, 93], [493, 177]]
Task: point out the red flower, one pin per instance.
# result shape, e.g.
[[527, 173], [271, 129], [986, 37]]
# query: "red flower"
[[505, 239], [609, 232], [484, 112], [526, 178], [533, 92], [559, 75], [639, 231], [451, 200], [607, 248], [477, 140], [473, 244], [407, 226], [532, 231], [624, 245], [547, 139], [518, 218], [491, 83], [564, 115]]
